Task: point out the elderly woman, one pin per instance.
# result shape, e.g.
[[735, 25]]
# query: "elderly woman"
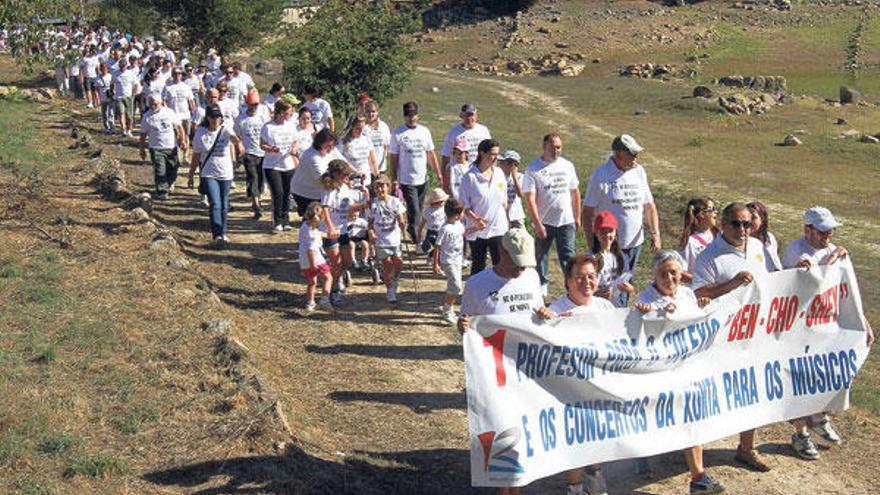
[[667, 295], [581, 281]]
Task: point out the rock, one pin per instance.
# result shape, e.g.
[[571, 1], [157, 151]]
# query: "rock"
[[543, 30], [867, 138], [268, 67], [768, 99], [597, 60], [216, 327], [163, 244], [232, 348], [850, 134], [703, 92], [840, 121], [849, 95], [791, 140], [48, 93], [145, 201], [435, 89], [139, 215], [642, 112], [562, 45], [732, 81], [572, 70], [178, 263]]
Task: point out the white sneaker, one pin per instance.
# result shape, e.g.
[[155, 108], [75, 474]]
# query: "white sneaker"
[[824, 429], [89, 105], [310, 306], [804, 447], [324, 303], [232, 185], [205, 200], [449, 317], [278, 229]]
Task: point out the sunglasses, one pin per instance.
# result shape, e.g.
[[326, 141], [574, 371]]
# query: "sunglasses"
[[737, 224], [708, 210]]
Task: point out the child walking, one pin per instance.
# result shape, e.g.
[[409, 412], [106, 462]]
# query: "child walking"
[[448, 255], [386, 220], [311, 259], [613, 283], [699, 231], [433, 217]]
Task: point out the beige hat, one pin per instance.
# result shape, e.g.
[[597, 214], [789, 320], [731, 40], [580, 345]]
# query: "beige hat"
[[437, 194], [520, 246]]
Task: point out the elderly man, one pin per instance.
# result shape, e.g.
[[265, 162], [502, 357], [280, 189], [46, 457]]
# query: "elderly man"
[[550, 188], [621, 187], [813, 249], [732, 260], [472, 132], [160, 127]]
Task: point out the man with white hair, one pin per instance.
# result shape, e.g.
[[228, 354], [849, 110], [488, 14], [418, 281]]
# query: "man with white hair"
[[160, 127]]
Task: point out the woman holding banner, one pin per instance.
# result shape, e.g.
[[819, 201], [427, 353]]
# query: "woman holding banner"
[[667, 295], [581, 281]]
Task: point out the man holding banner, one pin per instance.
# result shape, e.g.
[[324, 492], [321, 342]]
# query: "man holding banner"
[[731, 260]]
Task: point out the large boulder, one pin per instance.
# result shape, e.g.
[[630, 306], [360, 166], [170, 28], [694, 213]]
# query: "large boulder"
[[849, 95], [703, 92]]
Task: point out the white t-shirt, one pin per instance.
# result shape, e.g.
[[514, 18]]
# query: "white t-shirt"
[[685, 300], [304, 137], [219, 165], [434, 217], [474, 136], [552, 184], [623, 193], [236, 89], [381, 138], [720, 262], [487, 293], [456, 173], [124, 83], [771, 254], [153, 88], [198, 115], [159, 126], [515, 210], [487, 198], [229, 108], [610, 280], [249, 128], [90, 66], [177, 97], [564, 306], [357, 153], [696, 243], [103, 84], [337, 202], [283, 136], [310, 240], [450, 242], [307, 179], [383, 215], [321, 112], [411, 145], [800, 249]]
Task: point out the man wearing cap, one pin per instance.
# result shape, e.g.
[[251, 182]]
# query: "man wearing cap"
[[815, 247], [161, 125], [410, 151], [621, 186], [733, 259], [248, 127], [509, 286], [179, 98], [550, 188], [471, 131]]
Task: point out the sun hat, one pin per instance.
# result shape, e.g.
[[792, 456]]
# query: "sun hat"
[[437, 194], [520, 246], [627, 143], [510, 156], [821, 219], [605, 219], [461, 144]]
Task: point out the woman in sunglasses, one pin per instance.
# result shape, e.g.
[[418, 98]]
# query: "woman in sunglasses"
[[699, 231], [730, 261]]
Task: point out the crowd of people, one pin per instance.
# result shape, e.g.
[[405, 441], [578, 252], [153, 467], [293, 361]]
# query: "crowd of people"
[[364, 198]]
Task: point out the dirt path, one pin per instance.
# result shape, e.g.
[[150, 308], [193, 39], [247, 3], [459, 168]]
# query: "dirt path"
[[375, 393]]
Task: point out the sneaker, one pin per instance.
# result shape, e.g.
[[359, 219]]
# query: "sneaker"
[[324, 303], [705, 484], [594, 482], [336, 298], [391, 293], [89, 105], [257, 213], [218, 242], [395, 284], [277, 229], [226, 238], [825, 430], [205, 200], [449, 317], [232, 185], [752, 459], [804, 447], [346, 281], [374, 274], [171, 188], [287, 226], [310, 306], [465, 263]]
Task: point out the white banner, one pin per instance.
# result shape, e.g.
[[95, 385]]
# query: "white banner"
[[544, 397]]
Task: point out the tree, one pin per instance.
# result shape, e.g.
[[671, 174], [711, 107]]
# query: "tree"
[[226, 25], [351, 48], [26, 18]]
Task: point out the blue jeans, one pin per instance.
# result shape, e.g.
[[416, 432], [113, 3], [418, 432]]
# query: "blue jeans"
[[218, 201], [630, 261], [564, 237]]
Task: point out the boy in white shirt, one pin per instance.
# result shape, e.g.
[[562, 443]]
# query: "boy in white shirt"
[[448, 255], [386, 220], [433, 217]]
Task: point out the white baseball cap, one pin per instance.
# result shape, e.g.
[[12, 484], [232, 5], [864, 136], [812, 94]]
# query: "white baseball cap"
[[627, 143], [510, 155], [520, 246], [820, 218]]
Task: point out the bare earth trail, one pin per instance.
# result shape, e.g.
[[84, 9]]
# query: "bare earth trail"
[[375, 394]]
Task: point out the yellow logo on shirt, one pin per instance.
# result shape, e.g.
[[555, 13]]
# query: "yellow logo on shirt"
[[760, 258]]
